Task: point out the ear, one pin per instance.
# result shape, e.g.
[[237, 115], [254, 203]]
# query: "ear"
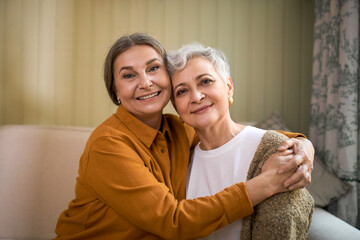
[[229, 84]]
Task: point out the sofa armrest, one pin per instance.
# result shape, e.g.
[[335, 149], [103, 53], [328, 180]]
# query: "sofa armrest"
[[324, 225], [38, 168]]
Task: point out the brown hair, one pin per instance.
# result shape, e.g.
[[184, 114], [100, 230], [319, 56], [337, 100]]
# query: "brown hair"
[[121, 45]]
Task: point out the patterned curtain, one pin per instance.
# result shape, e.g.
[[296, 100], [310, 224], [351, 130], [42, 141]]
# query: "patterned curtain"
[[335, 112]]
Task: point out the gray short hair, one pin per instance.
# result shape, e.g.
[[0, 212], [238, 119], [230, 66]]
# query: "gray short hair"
[[178, 59]]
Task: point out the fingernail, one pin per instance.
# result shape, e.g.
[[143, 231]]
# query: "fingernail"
[[291, 188], [280, 171]]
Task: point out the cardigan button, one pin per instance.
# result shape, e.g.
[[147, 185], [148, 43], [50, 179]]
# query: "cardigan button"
[[162, 150]]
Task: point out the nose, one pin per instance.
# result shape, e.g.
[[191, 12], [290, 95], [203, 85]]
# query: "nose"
[[197, 96], [145, 81]]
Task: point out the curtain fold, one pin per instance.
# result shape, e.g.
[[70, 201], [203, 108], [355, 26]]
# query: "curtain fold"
[[334, 122]]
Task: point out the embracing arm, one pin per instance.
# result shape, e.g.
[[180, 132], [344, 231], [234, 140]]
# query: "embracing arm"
[[267, 183], [118, 175]]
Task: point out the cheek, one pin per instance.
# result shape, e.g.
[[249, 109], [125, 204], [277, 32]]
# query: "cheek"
[[165, 83], [220, 94], [168, 88], [225, 103], [116, 87], [124, 89], [181, 106]]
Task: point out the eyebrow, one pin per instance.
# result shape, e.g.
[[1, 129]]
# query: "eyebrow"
[[204, 74], [197, 78], [147, 63], [179, 85]]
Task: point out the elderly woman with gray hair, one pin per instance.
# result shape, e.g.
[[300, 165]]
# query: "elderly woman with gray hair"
[[229, 152]]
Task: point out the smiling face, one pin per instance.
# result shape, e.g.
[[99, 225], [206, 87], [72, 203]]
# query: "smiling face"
[[142, 83], [200, 95]]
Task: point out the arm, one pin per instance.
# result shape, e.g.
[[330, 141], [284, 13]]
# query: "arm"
[[269, 182], [119, 175], [285, 215]]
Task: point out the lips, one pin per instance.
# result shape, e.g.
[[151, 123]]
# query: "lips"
[[148, 96], [201, 109]]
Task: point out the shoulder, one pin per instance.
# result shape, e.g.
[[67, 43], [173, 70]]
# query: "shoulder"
[[173, 119], [253, 132], [109, 133], [272, 138], [180, 128], [175, 122], [266, 138], [269, 144]]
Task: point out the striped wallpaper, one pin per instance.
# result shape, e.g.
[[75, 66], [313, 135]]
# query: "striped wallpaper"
[[52, 53]]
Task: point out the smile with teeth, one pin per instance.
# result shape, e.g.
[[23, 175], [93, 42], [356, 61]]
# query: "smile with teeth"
[[148, 96]]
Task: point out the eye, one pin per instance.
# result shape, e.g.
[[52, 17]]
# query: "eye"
[[206, 81], [154, 68], [180, 92], [128, 75]]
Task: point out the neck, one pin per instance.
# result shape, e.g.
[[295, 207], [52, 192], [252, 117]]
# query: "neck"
[[153, 121], [218, 134]]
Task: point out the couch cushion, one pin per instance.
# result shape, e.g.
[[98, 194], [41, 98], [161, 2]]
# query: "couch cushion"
[[326, 226], [325, 186], [38, 167], [273, 122]]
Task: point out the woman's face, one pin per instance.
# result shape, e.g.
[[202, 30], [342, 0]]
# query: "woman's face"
[[201, 96], [141, 81]]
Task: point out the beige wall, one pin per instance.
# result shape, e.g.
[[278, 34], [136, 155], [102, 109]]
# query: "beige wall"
[[52, 52]]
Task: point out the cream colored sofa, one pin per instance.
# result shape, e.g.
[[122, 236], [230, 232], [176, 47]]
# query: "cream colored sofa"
[[38, 167]]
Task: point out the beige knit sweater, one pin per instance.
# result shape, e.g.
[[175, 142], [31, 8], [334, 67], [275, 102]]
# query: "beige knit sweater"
[[282, 216]]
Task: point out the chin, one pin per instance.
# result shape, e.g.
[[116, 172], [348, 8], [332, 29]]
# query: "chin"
[[153, 109], [199, 125], [203, 123]]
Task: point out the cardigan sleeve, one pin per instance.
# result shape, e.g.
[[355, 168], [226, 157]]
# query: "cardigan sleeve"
[[283, 216], [118, 175], [291, 134]]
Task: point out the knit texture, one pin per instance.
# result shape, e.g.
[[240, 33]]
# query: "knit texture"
[[283, 216]]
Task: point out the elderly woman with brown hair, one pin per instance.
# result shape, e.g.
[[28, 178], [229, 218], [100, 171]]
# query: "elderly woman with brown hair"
[[132, 173], [229, 152]]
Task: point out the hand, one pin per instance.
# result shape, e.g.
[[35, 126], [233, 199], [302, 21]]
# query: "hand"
[[302, 162], [271, 167], [269, 182]]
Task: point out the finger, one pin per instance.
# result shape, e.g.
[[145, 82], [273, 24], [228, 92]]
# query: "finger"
[[289, 143], [298, 149], [302, 159], [308, 152], [307, 165], [301, 184], [295, 178], [292, 164], [286, 152], [308, 177], [284, 159], [301, 178]]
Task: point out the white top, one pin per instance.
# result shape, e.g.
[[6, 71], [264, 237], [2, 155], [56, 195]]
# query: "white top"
[[213, 170]]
